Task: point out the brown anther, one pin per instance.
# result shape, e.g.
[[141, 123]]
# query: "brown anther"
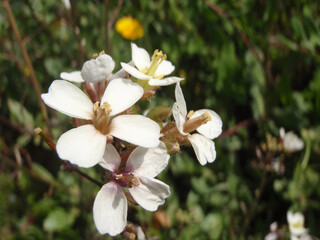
[[101, 53], [106, 107], [207, 117], [134, 182], [95, 56], [96, 106]]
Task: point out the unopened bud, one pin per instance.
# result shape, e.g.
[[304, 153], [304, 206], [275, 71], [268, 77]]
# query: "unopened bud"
[[159, 114]]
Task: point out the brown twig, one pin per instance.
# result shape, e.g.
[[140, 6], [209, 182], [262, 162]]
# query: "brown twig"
[[214, 7], [27, 60], [230, 131], [115, 14]]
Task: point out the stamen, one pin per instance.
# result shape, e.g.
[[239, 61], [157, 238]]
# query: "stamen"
[[157, 58], [192, 124], [101, 117]]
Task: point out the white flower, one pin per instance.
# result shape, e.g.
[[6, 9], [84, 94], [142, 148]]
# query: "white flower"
[[153, 69], [67, 4], [296, 224], [201, 142], [291, 142], [110, 206], [85, 145], [95, 70]]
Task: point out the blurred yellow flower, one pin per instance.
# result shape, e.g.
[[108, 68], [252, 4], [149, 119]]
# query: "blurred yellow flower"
[[129, 28]]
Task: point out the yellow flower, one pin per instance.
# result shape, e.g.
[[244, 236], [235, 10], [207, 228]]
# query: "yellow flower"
[[129, 28]]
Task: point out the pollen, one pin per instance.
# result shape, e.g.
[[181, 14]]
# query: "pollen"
[[129, 28]]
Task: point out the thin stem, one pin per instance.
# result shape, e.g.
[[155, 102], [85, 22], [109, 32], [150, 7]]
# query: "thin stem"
[[27, 60], [115, 14], [77, 170]]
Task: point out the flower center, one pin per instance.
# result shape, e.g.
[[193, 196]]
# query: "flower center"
[[101, 117], [192, 124], [127, 180], [157, 59]]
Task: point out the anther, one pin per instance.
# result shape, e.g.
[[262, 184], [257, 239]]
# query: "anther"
[[190, 114]]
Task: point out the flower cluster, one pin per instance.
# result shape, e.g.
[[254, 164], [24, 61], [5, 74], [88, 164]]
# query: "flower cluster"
[[132, 148]]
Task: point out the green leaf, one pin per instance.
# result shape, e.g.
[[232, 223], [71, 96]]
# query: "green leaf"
[[58, 220], [20, 114]]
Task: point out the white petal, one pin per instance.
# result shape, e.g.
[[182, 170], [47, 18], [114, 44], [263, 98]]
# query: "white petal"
[[179, 119], [134, 72], [150, 193], [111, 158], [148, 162], [121, 94], [68, 99], [180, 100], [164, 81], [211, 129], [97, 70], [140, 57], [110, 209], [203, 147], [140, 234], [165, 68], [72, 76], [83, 146], [136, 129]]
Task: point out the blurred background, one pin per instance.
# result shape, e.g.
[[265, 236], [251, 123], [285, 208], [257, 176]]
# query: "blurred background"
[[256, 63]]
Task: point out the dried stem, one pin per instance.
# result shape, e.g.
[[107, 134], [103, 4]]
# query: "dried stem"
[[214, 7], [27, 60]]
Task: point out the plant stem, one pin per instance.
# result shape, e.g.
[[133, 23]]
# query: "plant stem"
[[27, 60]]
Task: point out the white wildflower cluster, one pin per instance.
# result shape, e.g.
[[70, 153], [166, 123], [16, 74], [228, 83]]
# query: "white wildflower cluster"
[[132, 148]]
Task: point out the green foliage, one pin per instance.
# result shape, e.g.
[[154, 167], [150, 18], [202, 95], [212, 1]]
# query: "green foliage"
[[258, 68]]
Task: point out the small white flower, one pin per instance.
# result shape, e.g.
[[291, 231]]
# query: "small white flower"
[[291, 142], [201, 142], [110, 206], [67, 4], [296, 224], [153, 69], [85, 144], [95, 70]]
